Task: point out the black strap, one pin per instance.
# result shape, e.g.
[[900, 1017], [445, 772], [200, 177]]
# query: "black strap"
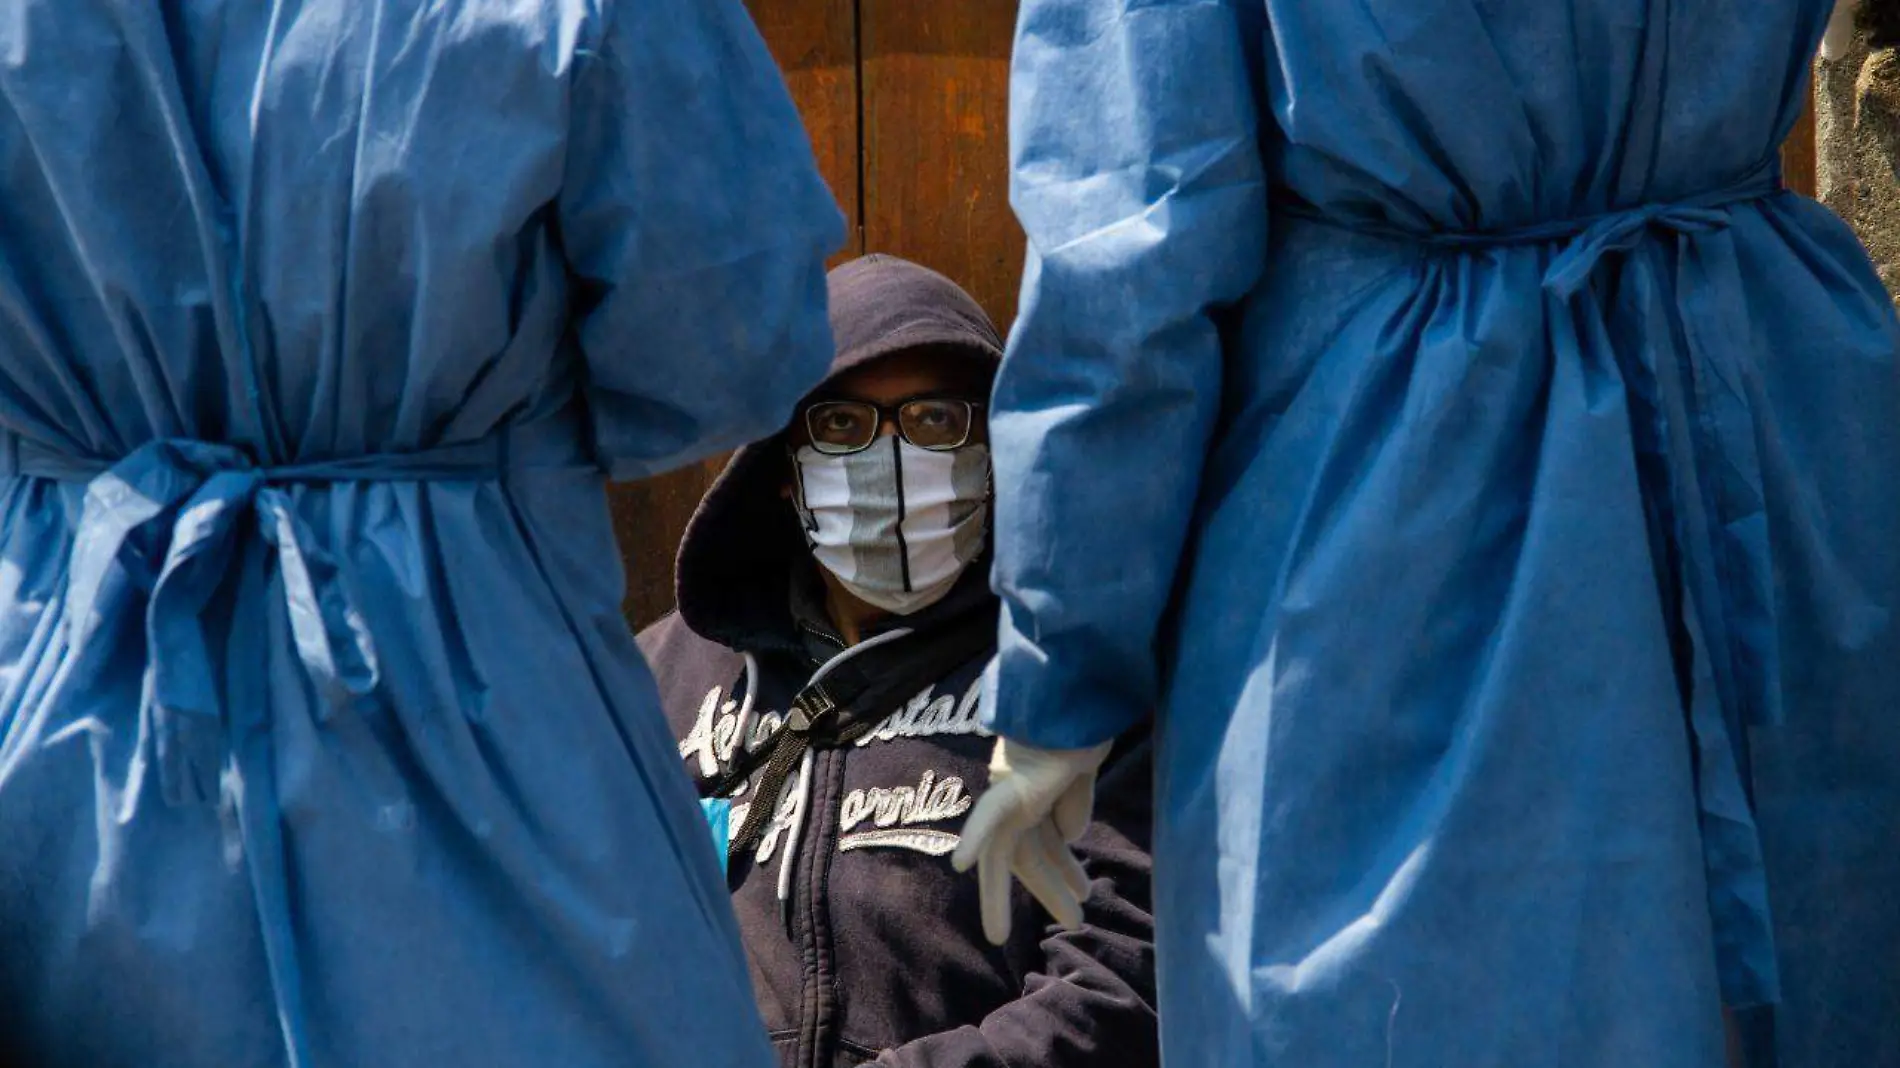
[[821, 719]]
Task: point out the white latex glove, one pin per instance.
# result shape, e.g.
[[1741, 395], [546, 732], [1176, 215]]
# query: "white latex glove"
[[1038, 802]]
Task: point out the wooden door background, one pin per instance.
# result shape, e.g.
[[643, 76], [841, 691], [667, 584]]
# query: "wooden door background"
[[906, 102]]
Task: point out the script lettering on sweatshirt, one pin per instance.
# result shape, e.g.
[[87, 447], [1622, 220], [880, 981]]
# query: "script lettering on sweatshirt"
[[897, 814], [930, 716], [714, 739]]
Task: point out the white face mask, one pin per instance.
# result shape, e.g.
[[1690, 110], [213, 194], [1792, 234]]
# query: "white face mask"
[[894, 523]]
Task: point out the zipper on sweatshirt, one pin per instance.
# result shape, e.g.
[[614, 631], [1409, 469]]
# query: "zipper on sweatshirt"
[[819, 954], [801, 785], [807, 839]]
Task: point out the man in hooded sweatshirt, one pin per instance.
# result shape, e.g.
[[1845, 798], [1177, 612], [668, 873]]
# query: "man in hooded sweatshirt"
[[834, 619]]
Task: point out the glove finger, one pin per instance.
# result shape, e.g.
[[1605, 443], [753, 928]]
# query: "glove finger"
[[988, 822], [1038, 877], [1000, 762], [1075, 808], [992, 879], [1041, 876], [1067, 865]]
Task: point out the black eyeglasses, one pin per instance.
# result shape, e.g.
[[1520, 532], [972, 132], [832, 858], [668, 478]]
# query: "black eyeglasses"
[[841, 427]]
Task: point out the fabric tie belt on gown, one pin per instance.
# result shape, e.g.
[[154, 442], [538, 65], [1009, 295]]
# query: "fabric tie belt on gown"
[[1687, 373], [1586, 240], [174, 514]]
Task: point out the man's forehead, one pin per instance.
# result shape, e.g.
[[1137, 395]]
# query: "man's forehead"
[[910, 373]]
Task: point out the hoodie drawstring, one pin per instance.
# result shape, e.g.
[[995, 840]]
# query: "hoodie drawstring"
[[801, 788], [792, 833], [746, 702]]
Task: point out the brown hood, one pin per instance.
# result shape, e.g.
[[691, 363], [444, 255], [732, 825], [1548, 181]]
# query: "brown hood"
[[736, 559]]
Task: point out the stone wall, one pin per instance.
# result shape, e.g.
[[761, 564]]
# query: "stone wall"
[[1857, 111]]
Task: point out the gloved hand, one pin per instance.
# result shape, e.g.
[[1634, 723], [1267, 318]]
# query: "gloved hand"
[[1038, 802]]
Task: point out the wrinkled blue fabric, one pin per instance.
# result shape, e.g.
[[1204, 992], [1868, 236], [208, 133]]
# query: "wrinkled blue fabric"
[[322, 323], [1437, 416]]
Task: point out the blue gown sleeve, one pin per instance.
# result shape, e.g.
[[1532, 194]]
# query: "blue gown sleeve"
[[696, 227], [1137, 173]]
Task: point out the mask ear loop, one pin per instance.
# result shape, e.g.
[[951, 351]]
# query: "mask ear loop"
[[806, 521], [989, 498]]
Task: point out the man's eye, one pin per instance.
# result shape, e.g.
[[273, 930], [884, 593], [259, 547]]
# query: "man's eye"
[[838, 425]]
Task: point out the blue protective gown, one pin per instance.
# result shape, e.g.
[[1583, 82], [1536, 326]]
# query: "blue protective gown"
[[322, 740], [1438, 412]]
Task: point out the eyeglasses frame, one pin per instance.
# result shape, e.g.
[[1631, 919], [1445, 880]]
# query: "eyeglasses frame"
[[888, 412]]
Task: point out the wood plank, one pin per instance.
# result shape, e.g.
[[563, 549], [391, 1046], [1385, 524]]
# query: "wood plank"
[[1800, 154], [815, 44], [649, 517], [936, 153]]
